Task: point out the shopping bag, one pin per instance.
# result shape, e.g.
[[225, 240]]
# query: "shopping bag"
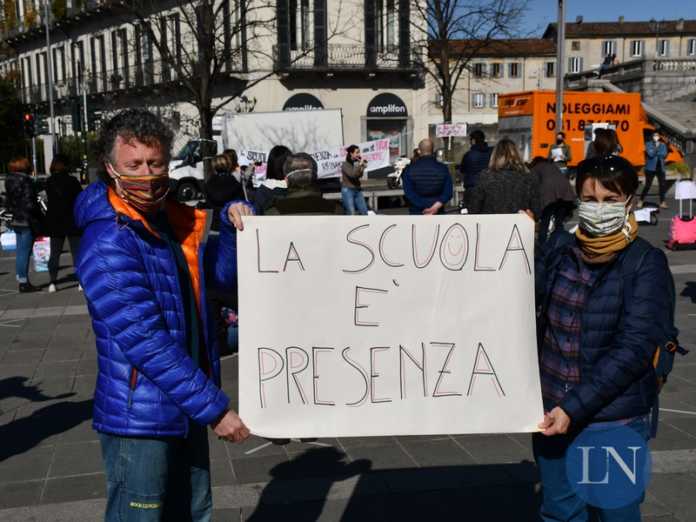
[[8, 241], [41, 253]]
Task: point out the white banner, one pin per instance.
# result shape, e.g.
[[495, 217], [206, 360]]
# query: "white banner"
[[375, 152], [444, 130], [392, 325]]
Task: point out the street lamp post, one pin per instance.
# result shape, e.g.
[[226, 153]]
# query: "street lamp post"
[[560, 69], [49, 58]]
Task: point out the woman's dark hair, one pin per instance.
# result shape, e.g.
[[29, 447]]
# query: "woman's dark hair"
[[613, 172], [275, 162], [537, 160], [350, 150], [132, 124], [606, 142], [59, 165], [233, 158]]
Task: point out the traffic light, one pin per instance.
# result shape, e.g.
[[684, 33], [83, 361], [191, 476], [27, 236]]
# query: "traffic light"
[[29, 127]]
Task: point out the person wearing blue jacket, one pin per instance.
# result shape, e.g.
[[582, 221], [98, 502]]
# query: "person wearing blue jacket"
[[474, 162], [655, 154], [427, 183], [603, 299], [144, 264]]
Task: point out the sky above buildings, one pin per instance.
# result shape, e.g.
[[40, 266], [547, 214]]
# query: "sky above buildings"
[[542, 12]]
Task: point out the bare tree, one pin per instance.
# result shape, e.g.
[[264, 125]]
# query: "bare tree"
[[212, 49], [454, 32], [226, 47]]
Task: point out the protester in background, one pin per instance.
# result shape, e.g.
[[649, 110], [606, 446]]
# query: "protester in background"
[[655, 153], [606, 63], [605, 300], [223, 186], [415, 156], [62, 191], [506, 187], [351, 172], [274, 186], [304, 196], [474, 162], [556, 197], [560, 153], [606, 143], [145, 265], [26, 216], [427, 183]]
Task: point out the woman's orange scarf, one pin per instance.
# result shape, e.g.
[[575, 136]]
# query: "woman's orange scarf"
[[602, 249]]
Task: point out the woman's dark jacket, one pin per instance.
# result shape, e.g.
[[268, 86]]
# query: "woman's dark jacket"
[[21, 200], [619, 331], [62, 191], [505, 192]]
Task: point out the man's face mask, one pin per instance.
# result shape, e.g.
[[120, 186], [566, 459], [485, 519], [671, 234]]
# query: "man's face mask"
[[146, 192], [602, 219]]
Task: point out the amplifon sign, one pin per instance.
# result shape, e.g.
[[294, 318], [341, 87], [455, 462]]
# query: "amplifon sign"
[[387, 105]]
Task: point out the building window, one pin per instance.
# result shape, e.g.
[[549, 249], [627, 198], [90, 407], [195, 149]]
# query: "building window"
[[663, 48], [386, 25], [637, 48], [514, 70], [494, 100], [691, 47], [575, 45], [550, 69], [575, 64], [496, 70], [608, 47], [300, 25], [479, 70], [478, 100]]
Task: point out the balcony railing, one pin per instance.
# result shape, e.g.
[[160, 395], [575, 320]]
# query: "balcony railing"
[[148, 74], [345, 57], [33, 20], [640, 68]]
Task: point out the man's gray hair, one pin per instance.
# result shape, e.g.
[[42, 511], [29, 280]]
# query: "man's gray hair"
[[426, 147], [300, 170], [138, 124]]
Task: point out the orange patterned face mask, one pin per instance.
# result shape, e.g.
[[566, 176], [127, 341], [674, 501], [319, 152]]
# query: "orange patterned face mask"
[[145, 193]]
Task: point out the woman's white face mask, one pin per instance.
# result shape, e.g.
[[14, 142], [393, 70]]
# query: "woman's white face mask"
[[602, 219]]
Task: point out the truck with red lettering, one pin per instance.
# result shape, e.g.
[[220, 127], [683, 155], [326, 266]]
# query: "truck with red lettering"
[[529, 119]]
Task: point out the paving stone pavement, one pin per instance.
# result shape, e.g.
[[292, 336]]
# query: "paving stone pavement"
[[51, 469]]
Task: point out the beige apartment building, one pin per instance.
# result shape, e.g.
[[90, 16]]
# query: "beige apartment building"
[[589, 43], [359, 56], [501, 67]]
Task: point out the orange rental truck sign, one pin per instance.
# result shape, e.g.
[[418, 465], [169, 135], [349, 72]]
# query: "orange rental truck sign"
[[530, 119]]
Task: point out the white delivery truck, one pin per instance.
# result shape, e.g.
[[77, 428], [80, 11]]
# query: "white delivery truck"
[[256, 132]]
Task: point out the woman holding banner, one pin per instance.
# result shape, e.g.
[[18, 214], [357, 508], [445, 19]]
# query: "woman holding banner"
[[606, 300]]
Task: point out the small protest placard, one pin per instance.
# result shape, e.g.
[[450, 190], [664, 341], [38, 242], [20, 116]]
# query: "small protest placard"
[[393, 325]]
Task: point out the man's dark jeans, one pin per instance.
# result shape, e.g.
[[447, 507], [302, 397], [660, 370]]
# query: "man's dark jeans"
[[158, 479]]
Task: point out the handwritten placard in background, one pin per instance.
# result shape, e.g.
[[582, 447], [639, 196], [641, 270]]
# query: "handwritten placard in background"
[[387, 326]]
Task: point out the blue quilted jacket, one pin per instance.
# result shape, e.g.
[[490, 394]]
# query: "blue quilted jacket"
[[147, 385], [620, 330]]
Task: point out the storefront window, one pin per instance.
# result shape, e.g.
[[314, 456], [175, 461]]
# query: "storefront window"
[[387, 117]]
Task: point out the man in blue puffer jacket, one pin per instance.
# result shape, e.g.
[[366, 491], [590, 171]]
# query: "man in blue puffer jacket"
[[144, 264]]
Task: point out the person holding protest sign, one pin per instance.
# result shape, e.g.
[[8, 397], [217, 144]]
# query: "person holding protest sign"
[[605, 299], [351, 172], [144, 264]]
